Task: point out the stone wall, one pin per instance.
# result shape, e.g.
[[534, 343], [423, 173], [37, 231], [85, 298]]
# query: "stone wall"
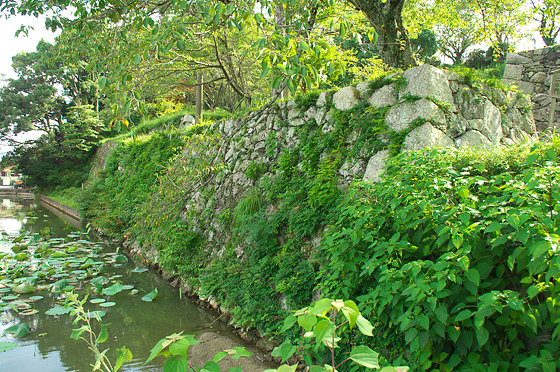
[[433, 107], [531, 72], [421, 107]]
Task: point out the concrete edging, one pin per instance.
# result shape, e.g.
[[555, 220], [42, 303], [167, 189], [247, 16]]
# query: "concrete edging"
[[74, 213]]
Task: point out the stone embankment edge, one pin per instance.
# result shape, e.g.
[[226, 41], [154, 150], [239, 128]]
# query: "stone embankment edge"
[[74, 213]]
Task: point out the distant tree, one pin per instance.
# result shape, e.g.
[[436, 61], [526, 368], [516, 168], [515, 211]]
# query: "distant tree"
[[424, 45], [547, 15], [44, 99]]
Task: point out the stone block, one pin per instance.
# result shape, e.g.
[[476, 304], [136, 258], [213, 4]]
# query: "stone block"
[[516, 59], [514, 72], [385, 96], [426, 136], [539, 77], [473, 138], [401, 115], [375, 165], [346, 98], [427, 81]]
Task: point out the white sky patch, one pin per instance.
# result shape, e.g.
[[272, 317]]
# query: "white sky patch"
[[12, 45]]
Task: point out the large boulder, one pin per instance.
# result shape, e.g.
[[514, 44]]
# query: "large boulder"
[[375, 166], [212, 343], [427, 81], [401, 115], [473, 138], [346, 98], [426, 136], [386, 96]]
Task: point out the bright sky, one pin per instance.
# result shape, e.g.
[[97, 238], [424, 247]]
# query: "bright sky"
[[12, 45]]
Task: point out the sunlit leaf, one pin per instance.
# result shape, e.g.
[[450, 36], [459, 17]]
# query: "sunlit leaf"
[[123, 355], [365, 356]]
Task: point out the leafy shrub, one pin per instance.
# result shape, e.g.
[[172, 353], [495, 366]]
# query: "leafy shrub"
[[462, 262]]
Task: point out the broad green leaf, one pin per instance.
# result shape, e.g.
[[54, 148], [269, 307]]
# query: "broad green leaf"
[[18, 330], [539, 248], [5, 346], [288, 323], [494, 226], [365, 356], [76, 333], [155, 350], [324, 327], [529, 320], [321, 307], [180, 347], [176, 364], [465, 314], [351, 312], [482, 336], [211, 366], [287, 368], [285, 351], [103, 334], [307, 321], [457, 240], [473, 276], [364, 326], [123, 355], [238, 352], [219, 356]]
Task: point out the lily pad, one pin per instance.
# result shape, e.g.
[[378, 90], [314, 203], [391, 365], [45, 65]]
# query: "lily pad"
[[97, 300], [150, 296], [35, 298], [108, 304], [113, 290], [29, 312], [5, 346], [139, 270], [18, 330], [58, 310], [98, 314], [10, 297], [23, 288]]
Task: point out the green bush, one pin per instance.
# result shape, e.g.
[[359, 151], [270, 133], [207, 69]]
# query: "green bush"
[[459, 259]]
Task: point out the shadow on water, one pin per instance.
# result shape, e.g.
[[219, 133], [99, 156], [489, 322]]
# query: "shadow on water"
[[134, 323]]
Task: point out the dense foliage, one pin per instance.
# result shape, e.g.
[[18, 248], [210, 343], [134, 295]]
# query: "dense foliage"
[[457, 252], [453, 255]]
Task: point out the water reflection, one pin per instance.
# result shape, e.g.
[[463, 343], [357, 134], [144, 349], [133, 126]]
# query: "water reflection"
[[135, 324]]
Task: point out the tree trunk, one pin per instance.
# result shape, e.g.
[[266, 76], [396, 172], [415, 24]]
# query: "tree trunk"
[[393, 42]]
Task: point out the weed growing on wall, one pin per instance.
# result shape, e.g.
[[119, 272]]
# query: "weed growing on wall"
[[131, 170]]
